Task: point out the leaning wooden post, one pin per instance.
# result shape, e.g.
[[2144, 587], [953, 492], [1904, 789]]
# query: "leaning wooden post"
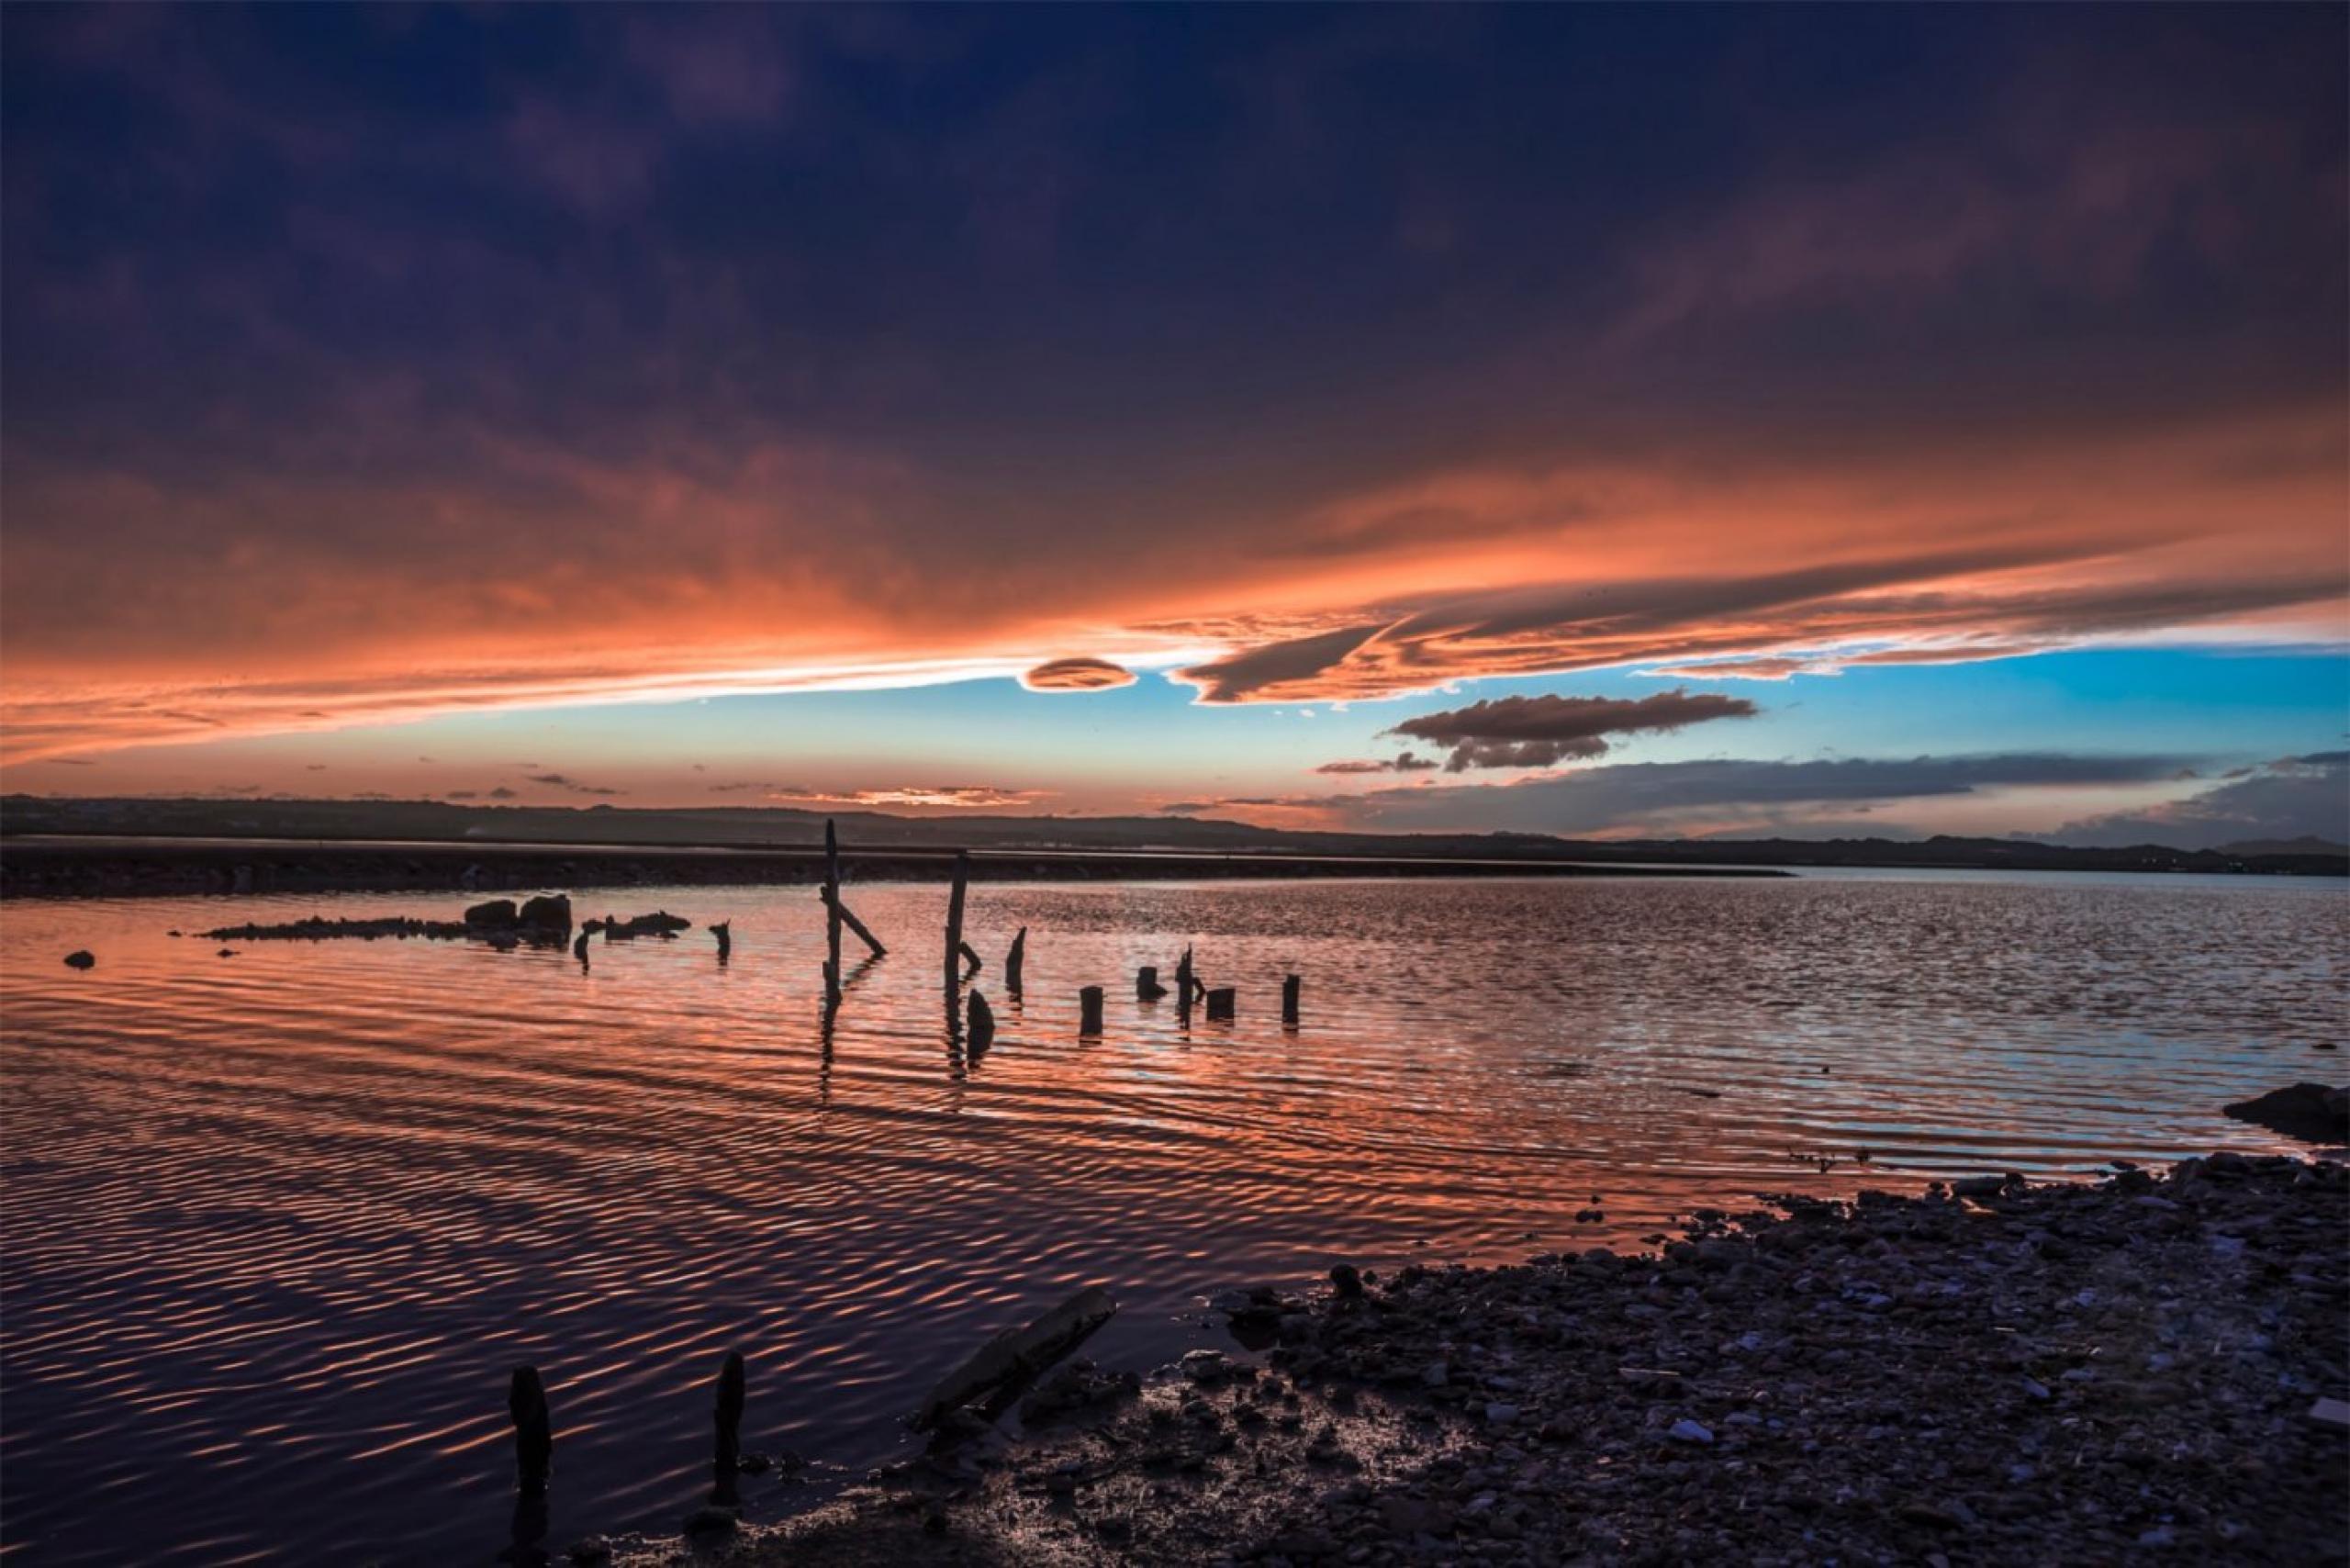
[[955, 923], [1088, 1010], [730, 1429], [1012, 961], [1184, 981], [526, 1401], [832, 915], [1290, 985], [857, 928]]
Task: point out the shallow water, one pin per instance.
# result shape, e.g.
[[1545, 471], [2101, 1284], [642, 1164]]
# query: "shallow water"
[[276, 1225]]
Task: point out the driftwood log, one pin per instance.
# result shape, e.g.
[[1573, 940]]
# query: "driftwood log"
[[1018, 1353]]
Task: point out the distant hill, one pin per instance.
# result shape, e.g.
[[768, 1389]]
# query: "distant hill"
[[775, 827], [2308, 843]]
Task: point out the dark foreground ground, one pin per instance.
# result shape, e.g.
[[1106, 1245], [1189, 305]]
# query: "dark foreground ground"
[[2123, 1373], [93, 866]]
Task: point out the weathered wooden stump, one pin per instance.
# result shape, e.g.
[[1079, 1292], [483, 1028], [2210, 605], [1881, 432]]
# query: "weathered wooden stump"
[[955, 944], [579, 949], [725, 931], [1012, 960], [1146, 986], [1185, 982], [1290, 987], [730, 1429], [1088, 1010], [980, 1026], [526, 1401], [832, 915], [1220, 1004]]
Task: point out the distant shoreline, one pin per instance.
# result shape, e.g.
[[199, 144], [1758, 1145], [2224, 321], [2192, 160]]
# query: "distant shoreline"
[[67, 866]]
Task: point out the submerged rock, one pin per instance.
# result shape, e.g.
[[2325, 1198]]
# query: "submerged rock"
[[82, 959]]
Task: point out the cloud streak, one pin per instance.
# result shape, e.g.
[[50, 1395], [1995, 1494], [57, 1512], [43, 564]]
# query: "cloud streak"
[[1541, 731]]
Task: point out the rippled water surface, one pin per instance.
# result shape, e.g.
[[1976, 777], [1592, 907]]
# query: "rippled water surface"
[[277, 1224]]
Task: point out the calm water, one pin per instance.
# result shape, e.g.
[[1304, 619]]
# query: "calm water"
[[276, 1225]]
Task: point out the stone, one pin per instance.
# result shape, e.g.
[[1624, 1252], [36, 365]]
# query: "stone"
[[548, 911], [81, 959], [1346, 1280], [497, 914], [1688, 1431], [1206, 1366], [2310, 1112]]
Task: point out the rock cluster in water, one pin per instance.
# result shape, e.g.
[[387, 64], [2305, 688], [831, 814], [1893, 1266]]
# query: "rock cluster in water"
[[2134, 1370]]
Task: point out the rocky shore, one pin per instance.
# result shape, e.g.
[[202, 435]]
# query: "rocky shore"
[[2138, 1370]]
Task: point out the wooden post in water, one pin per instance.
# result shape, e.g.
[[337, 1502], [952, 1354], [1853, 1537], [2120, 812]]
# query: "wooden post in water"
[[978, 1027], [955, 944], [1290, 985], [1088, 1010], [730, 1429], [857, 928], [724, 931], [526, 1401], [579, 951], [1146, 986], [1220, 1003], [1012, 961], [832, 915]]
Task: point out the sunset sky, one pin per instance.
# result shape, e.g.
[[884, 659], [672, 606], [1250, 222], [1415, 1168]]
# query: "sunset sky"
[[1662, 420]]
